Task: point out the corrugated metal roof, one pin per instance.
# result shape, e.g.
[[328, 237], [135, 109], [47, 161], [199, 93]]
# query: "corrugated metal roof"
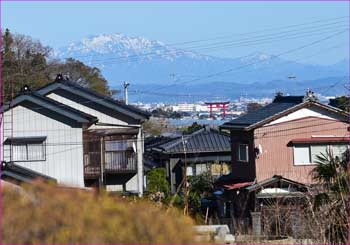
[[22, 174], [203, 140]]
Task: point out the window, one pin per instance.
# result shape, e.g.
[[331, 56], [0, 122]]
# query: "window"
[[116, 145], [307, 154], [338, 150], [120, 154], [26, 148], [201, 168], [189, 171], [301, 155], [243, 152], [318, 150]]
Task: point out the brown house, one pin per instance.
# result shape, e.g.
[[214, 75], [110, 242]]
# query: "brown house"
[[284, 138], [273, 150]]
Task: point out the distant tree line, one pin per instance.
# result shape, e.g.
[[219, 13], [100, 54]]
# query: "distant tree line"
[[342, 102], [28, 61], [159, 112]]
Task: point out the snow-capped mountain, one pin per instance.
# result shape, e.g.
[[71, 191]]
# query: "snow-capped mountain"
[[142, 61], [124, 47]]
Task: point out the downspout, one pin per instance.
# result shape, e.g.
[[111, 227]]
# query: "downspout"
[[139, 146], [102, 162]]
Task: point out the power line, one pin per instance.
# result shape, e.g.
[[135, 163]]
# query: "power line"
[[259, 69], [259, 61], [238, 43], [243, 34]]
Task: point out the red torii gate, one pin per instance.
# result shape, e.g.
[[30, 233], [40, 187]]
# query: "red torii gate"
[[222, 105]]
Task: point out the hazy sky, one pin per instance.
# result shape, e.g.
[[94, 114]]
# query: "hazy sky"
[[58, 23]]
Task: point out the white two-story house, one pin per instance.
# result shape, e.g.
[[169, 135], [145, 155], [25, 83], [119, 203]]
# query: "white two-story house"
[[76, 136]]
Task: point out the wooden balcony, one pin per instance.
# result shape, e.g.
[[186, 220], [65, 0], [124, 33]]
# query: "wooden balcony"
[[112, 163]]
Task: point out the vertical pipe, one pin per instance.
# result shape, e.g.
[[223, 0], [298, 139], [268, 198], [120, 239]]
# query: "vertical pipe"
[[139, 147], [126, 85], [102, 163]]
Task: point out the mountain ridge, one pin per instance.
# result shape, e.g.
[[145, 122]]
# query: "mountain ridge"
[[142, 61]]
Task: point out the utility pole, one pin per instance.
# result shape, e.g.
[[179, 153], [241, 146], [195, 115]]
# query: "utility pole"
[[185, 177], [126, 85]]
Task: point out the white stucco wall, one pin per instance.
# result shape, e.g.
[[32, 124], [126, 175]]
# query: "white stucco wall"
[[64, 149], [305, 112]]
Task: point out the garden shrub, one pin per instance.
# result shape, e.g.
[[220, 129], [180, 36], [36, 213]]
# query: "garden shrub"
[[47, 214]]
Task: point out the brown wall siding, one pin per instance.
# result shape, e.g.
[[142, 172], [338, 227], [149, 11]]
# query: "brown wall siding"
[[277, 156], [243, 171]]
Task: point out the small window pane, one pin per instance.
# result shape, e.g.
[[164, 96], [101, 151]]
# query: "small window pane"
[[36, 152], [189, 171], [301, 155], [338, 150], [116, 145], [201, 168], [19, 153], [243, 152], [317, 150]]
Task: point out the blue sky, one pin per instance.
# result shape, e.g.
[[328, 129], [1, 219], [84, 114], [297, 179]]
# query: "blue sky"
[[58, 23]]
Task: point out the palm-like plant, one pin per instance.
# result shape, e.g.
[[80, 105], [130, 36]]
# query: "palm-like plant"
[[331, 172]]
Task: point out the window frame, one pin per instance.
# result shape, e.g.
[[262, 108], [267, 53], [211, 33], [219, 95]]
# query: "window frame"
[[329, 147], [26, 144], [239, 152], [126, 153], [308, 146]]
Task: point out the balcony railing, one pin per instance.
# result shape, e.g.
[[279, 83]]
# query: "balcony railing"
[[114, 162]]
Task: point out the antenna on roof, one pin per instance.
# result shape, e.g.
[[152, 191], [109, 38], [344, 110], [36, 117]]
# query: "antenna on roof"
[[126, 85], [310, 96]]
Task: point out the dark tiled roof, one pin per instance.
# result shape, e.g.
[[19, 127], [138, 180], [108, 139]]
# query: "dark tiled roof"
[[279, 107], [259, 115], [202, 140], [151, 142], [288, 99], [43, 102], [11, 171], [98, 97]]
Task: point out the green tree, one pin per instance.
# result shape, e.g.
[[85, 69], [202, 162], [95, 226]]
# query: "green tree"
[[199, 186], [157, 182], [84, 75], [341, 102], [194, 127], [28, 61]]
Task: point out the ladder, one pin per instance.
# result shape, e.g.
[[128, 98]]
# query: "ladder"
[[7, 119], [7, 128]]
